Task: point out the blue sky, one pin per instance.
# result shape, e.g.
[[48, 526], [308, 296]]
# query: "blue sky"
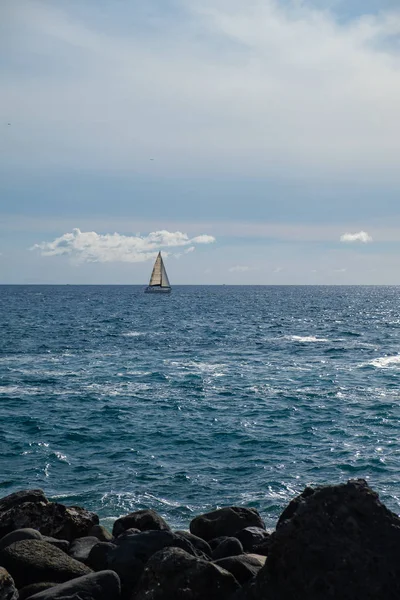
[[272, 128]]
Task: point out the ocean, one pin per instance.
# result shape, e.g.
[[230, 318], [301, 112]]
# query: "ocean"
[[117, 400]]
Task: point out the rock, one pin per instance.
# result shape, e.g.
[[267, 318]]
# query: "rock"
[[8, 591], [34, 588], [125, 534], [225, 521], [335, 542], [253, 537], [229, 547], [102, 534], [31, 509], [20, 534], [243, 567], [104, 585], [129, 558], [61, 544], [144, 520], [172, 573], [20, 498], [81, 547], [215, 542], [99, 556], [33, 561], [197, 542]]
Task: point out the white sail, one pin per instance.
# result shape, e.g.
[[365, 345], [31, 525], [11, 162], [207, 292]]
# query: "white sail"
[[155, 278], [159, 275], [164, 276]]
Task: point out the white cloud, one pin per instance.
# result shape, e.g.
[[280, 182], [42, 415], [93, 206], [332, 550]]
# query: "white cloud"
[[192, 248], [241, 269], [89, 246], [361, 236], [245, 86]]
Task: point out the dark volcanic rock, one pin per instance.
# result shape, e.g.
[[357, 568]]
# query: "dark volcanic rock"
[[31, 509], [253, 538], [104, 585], [129, 558], [230, 546], [20, 498], [98, 559], [197, 542], [225, 521], [144, 520], [81, 548], [18, 535], [243, 567], [172, 573], [33, 561], [8, 591], [336, 542], [34, 588], [102, 534]]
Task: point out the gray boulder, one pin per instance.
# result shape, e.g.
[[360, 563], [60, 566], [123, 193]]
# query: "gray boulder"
[[102, 534], [18, 535], [61, 544], [129, 558], [98, 559], [33, 561], [81, 548], [144, 520], [338, 542], [253, 538], [104, 585], [225, 521], [172, 573], [230, 546], [200, 544], [8, 591], [243, 567]]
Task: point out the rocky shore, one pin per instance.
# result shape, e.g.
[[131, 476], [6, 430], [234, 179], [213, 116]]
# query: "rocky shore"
[[333, 542]]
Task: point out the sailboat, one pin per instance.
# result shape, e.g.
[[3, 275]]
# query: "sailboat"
[[159, 281]]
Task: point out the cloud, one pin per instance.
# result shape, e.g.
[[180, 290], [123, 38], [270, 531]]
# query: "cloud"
[[241, 269], [89, 246], [361, 236], [192, 248], [246, 87]]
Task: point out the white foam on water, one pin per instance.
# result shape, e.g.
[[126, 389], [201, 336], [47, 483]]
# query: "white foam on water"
[[132, 334], [385, 362], [307, 339]]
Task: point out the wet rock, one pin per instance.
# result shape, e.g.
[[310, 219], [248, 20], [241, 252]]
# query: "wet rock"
[[144, 520], [230, 546], [50, 518], [33, 561], [104, 585], [8, 591], [172, 573], [125, 535], [252, 538], [243, 567], [225, 521], [101, 533], [34, 588], [81, 548], [20, 534], [336, 542], [129, 558], [20, 498], [98, 559], [197, 542]]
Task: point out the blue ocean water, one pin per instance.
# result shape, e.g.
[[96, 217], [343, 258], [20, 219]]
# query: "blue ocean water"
[[118, 400]]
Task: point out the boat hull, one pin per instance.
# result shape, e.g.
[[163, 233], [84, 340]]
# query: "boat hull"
[[157, 289]]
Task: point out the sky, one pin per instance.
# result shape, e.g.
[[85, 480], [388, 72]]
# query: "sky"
[[251, 142]]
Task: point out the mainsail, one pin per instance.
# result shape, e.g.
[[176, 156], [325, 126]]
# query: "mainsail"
[[159, 275]]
